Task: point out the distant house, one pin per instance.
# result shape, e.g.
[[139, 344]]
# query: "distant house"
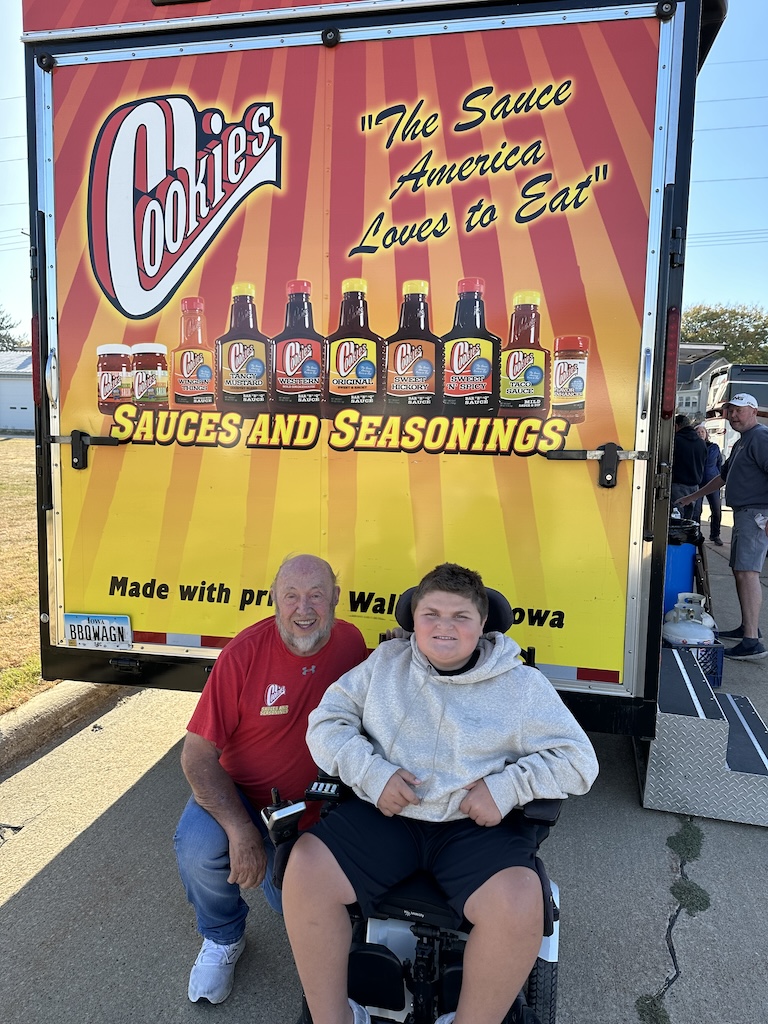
[[17, 408]]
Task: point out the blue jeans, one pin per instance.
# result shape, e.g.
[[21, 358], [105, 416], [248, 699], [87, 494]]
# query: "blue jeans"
[[202, 854]]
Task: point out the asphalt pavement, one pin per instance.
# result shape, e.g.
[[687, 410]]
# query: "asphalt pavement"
[[663, 915]]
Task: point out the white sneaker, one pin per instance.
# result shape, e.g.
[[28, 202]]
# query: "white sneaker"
[[446, 1018], [359, 1013], [213, 974]]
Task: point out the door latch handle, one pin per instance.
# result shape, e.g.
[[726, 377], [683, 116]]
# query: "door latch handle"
[[608, 455], [81, 442]]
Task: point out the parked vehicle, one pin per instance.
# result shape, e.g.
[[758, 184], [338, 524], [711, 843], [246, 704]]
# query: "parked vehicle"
[[725, 382], [495, 196]]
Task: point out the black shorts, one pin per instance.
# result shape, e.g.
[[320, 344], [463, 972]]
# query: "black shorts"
[[376, 852]]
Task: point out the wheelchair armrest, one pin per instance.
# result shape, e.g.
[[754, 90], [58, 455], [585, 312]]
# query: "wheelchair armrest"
[[543, 812], [328, 788]]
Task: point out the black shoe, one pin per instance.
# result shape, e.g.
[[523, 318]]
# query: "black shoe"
[[735, 634], [747, 651], [716, 541]]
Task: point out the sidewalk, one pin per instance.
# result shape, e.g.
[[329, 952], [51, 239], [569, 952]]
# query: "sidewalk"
[[749, 678]]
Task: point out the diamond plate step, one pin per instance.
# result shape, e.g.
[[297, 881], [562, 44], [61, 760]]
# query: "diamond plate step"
[[710, 754], [747, 735]]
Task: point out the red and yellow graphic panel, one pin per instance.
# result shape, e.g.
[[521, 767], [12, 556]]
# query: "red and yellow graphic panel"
[[465, 214]]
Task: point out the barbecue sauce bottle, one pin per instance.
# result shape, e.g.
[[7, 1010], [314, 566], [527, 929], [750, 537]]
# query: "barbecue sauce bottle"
[[414, 357], [524, 387], [297, 356], [354, 356], [191, 383], [470, 357], [243, 357]]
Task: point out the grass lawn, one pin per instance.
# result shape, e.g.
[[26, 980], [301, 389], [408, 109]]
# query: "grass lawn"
[[19, 613]]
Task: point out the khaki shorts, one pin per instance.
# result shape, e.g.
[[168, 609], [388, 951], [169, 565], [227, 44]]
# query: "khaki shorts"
[[749, 543]]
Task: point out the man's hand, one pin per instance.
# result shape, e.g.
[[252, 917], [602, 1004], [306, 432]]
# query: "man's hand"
[[397, 793], [398, 633], [479, 805], [247, 859]]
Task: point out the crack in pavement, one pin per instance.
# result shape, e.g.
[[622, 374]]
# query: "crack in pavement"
[[8, 831], [690, 898]]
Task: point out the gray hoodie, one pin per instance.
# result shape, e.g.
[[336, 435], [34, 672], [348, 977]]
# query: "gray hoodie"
[[500, 721]]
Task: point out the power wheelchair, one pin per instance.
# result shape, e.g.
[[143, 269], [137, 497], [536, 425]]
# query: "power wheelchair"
[[405, 962]]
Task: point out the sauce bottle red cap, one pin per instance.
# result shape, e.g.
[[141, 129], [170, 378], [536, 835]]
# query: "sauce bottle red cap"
[[192, 304], [299, 288], [471, 284], [572, 343]]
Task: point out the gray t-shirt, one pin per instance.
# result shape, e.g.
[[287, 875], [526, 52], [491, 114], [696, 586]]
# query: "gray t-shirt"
[[745, 471]]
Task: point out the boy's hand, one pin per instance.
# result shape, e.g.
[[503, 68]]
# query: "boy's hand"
[[398, 793], [479, 805]]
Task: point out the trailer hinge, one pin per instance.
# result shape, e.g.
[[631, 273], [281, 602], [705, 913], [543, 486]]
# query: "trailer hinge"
[[609, 455], [677, 248], [132, 665], [80, 442]]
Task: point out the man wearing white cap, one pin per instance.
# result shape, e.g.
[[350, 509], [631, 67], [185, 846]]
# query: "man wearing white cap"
[[745, 474]]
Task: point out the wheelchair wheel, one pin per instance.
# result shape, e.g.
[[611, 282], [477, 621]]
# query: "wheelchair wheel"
[[541, 991]]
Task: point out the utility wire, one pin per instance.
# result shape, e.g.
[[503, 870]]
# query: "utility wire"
[[725, 128], [732, 99], [705, 181]]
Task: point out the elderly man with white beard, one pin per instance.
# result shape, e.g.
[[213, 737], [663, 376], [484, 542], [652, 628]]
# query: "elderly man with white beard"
[[247, 734]]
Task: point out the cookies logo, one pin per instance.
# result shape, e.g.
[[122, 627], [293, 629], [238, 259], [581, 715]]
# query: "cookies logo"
[[164, 180]]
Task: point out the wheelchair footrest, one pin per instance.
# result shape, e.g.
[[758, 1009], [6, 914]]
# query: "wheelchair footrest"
[[375, 976]]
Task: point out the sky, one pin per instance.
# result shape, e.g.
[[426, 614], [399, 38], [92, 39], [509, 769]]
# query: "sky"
[[727, 249]]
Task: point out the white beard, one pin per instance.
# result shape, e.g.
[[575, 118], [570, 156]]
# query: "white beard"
[[304, 644]]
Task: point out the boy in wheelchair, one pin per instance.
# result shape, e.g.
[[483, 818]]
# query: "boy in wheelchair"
[[442, 737]]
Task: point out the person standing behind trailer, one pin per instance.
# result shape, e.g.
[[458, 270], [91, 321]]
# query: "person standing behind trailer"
[[689, 459], [745, 474], [246, 735], [712, 469]]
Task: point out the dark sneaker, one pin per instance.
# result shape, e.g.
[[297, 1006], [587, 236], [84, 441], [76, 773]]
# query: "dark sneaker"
[[716, 541], [747, 651], [735, 634]]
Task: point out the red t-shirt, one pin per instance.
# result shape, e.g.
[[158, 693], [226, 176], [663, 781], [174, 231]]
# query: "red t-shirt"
[[256, 703]]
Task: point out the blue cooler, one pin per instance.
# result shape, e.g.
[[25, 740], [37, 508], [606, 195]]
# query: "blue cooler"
[[682, 542]]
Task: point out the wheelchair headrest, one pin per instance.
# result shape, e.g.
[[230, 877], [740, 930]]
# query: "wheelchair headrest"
[[499, 611]]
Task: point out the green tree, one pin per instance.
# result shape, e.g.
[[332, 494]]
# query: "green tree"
[[743, 330], [8, 341]]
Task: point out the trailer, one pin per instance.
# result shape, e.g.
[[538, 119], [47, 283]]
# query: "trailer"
[[494, 196], [725, 382]]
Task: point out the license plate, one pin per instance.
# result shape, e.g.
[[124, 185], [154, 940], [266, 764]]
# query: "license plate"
[[96, 632]]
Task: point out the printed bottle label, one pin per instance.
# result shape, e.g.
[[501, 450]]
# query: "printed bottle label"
[[244, 371], [523, 378], [411, 371], [150, 386], [569, 382], [192, 377], [115, 387], [469, 370], [352, 370], [298, 365]]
